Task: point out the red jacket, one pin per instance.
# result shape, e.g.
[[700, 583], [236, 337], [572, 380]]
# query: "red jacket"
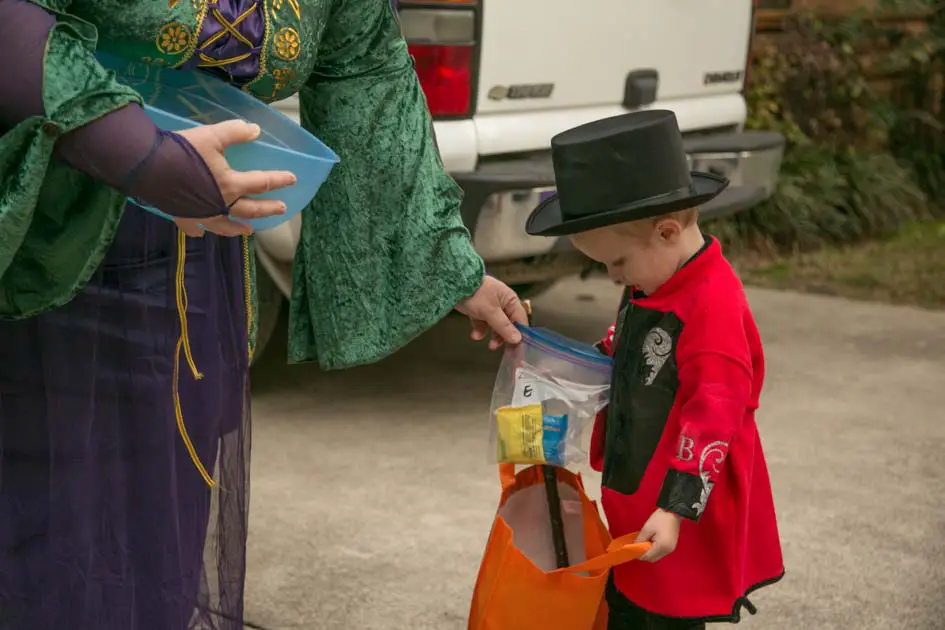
[[680, 429]]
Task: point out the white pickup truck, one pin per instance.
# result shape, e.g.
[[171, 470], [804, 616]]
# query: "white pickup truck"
[[502, 77]]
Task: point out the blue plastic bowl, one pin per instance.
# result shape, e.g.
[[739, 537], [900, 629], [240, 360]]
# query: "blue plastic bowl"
[[181, 99]]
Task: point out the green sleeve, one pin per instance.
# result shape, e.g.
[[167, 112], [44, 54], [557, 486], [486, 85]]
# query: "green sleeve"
[[383, 254], [55, 222]]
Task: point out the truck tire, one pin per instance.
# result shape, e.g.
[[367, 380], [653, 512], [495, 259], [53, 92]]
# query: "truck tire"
[[269, 307]]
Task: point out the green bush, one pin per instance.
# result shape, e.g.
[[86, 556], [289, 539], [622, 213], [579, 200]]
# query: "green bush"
[[857, 165], [812, 87], [917, 129], [827, 197]]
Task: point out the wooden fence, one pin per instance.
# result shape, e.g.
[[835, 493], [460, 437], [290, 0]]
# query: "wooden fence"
[[770, 22], [769, 26]]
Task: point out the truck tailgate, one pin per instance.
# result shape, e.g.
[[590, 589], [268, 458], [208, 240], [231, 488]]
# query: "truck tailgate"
[[587, 49]]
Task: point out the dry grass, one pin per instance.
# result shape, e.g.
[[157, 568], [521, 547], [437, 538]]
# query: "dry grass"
[[906, 268]]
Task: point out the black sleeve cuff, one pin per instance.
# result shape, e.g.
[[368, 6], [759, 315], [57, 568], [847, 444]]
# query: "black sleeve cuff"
[[683, 494]]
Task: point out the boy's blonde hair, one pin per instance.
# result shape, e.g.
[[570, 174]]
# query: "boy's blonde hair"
[[644, 227]]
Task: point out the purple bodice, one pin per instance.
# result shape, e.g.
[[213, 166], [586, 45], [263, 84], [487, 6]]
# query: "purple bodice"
[[231, 40]]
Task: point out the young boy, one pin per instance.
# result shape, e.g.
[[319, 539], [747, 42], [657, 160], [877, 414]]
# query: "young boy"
[[678, 446]]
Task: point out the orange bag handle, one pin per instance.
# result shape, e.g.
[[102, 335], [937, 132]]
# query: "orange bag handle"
[[619, 551]]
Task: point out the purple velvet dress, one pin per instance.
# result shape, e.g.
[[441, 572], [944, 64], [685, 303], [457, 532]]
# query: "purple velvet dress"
[[105, 521]]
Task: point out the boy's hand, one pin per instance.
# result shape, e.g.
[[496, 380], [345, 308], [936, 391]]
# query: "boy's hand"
[[661, 529]]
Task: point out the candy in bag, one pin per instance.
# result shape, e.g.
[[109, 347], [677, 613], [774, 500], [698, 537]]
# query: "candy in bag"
[[547, 392]]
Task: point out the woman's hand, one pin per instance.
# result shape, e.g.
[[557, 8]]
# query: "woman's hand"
[[494, 306], [661, 529], [210, 141]]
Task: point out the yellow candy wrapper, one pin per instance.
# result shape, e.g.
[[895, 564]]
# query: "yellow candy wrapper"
[[520, 435]]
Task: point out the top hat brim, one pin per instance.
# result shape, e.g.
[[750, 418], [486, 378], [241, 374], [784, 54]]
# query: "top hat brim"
[[547, 219]]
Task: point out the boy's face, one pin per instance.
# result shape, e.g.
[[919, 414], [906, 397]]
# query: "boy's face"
[[645, 255]]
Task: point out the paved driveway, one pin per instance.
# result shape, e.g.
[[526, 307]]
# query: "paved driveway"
[[373, 494]]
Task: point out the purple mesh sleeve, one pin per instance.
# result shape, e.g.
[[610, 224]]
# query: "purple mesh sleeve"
[[159, 168], [124, 149]]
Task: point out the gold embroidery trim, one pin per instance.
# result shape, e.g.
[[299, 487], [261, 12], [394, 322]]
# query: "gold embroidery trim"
[[173, 38], [198, 28], [282, 76], [287, 44], [230, 27], [263, 55], [293, 4], [210, 62]]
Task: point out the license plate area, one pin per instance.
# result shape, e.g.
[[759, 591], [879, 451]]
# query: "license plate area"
[[500, 231], [545, 193]]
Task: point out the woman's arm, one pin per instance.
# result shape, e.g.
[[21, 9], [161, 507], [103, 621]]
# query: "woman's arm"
[[123, 148], [383, 253]]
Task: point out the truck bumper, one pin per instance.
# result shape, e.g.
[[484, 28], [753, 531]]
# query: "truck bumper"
[[751, 160], [501, 193]]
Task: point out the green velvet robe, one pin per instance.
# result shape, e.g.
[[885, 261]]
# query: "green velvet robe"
[[383, 253]]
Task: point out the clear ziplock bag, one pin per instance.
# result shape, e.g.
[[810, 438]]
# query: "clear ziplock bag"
[[547, 392]]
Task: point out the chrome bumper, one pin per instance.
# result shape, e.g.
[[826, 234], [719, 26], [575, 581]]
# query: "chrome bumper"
[[751, 161], [501, 194]]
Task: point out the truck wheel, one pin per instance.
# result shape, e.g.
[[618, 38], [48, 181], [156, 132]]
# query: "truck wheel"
[[269, 306]]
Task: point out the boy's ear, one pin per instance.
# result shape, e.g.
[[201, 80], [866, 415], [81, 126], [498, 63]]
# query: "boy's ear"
[[668, 229]]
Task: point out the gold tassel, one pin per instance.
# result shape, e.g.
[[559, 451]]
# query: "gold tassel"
[[248, 297], [184, 342]]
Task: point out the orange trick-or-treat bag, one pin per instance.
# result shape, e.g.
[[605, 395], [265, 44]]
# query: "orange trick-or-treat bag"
[[518, 587]]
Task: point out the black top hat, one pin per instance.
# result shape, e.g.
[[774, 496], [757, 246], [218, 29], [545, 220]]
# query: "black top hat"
[[620, 169]]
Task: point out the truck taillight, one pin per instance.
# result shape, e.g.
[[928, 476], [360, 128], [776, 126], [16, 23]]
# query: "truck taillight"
[[444, 73], [441, 38]]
